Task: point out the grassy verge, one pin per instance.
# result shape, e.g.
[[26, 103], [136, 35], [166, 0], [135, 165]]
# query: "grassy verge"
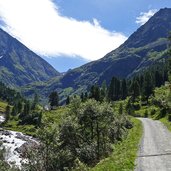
[[166, 123], [2, 107], [124, 153]]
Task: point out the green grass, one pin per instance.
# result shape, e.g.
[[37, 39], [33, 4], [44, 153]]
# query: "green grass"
[[12, 125], [49, 117], [2, 107], [124, 153], [166, 123], [55, 116]]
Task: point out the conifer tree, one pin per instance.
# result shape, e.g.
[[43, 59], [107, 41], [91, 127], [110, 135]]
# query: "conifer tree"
[[20, 106], [111, 90], [135, 89], [68, 100], [54, 99], [86, 96], [35, 101], [14, 110], [158, 78], [26, 110], [103, 91], [148, 86], [82, 97], [124, 91], [7, 113], [95, 92], [120, 108], [114, 89]]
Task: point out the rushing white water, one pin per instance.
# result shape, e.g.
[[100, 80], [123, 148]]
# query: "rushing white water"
[[2, 119], [12, 141]]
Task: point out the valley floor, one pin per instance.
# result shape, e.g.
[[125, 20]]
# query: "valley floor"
[[155, 149]]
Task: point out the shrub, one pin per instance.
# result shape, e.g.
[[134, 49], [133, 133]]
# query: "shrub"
[[136, 106], [163, 112], [153, 112], [85, 135], [146, 114], [169, 117]]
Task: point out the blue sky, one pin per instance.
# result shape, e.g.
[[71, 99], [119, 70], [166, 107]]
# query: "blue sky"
[[69, 33], [118, 15]]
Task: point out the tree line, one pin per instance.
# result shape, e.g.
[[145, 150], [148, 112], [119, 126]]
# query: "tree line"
[[140, 85], [26, 111]]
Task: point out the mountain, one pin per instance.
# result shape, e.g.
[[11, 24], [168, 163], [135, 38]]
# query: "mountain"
[[64, 63], [19, 65], [147, 46], [144, 47]]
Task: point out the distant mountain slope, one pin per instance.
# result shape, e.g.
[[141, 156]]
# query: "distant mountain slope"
[[144, 47], [19, 65]]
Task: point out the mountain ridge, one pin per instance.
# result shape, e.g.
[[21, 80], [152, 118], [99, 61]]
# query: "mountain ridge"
[[133, 54], [19, 65]]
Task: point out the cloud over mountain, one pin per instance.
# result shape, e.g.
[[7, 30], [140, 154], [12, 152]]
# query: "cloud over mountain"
[[40, 26], [145, 16]]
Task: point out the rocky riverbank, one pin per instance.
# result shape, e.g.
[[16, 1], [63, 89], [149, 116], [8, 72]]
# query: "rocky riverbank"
[[15, 144]]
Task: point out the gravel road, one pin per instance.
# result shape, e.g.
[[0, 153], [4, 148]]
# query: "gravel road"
[[155, 148]]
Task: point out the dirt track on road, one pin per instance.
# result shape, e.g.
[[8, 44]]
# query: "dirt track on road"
[[155, 148]]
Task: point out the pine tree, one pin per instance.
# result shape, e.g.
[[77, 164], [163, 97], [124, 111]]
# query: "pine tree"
[[35, 101], [7, 113], [169, 60], [120, 108], [141, 83], [114, 89], [82, 97], [135, 89], [111, 90], [148, 86], [68, 100], [124, 91], [20, 106], [26, 110], [103, 91], [129, 107], [54, 99], [86, 96], [14, 110], [117, 89], [95, 92], [158, 78]]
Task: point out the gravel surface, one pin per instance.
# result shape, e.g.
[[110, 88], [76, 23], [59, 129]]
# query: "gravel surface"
[[155, 147]]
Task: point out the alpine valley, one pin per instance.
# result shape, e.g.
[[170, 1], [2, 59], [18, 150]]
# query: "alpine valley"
[[90, 118], [145, 47]]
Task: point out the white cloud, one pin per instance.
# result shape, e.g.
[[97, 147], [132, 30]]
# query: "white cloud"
[[41, 27], [145, 16]]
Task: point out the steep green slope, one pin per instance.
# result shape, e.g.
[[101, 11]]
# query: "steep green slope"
[[2, 106], [144, 47], [19, 65]]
